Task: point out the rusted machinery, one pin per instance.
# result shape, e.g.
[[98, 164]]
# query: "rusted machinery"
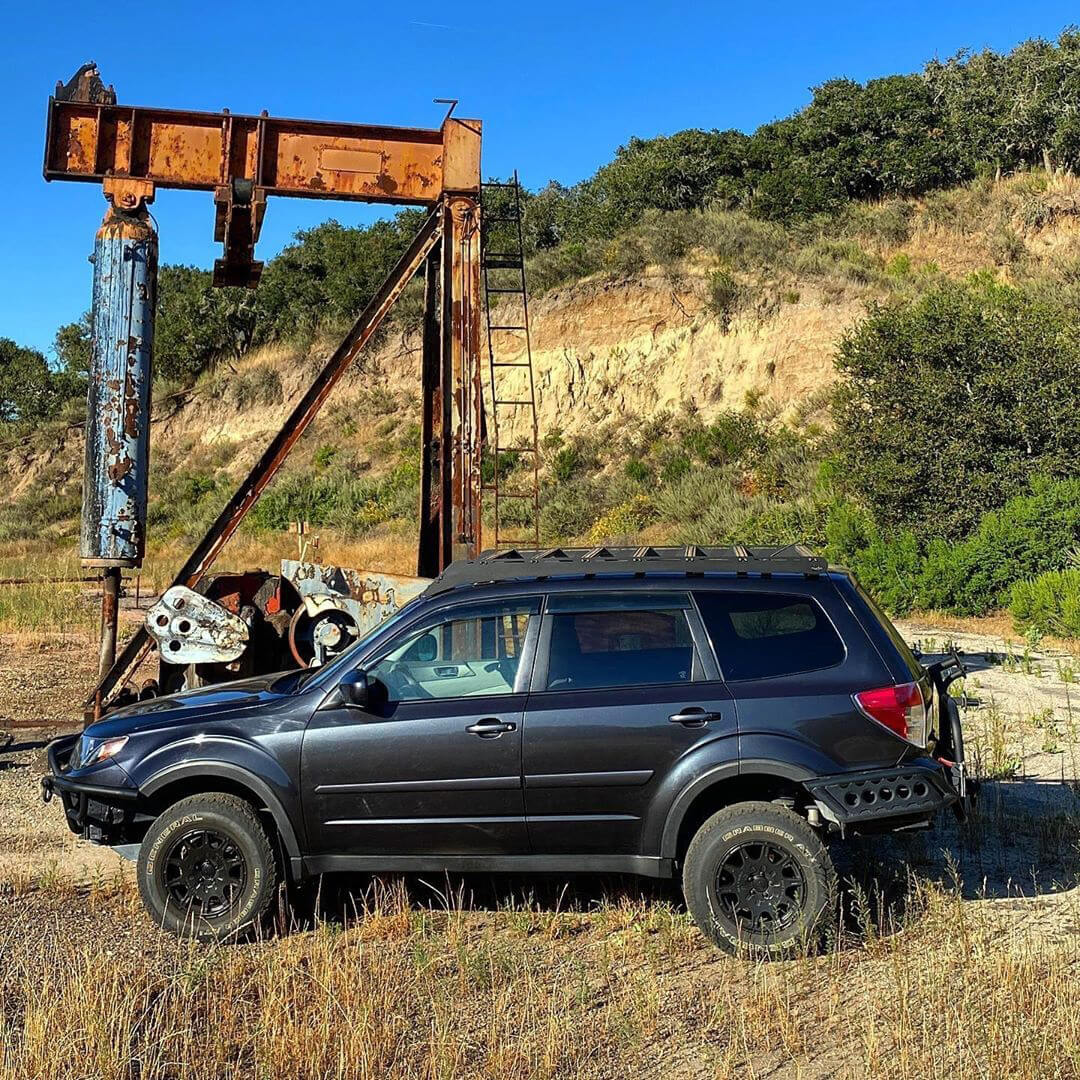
[[243, 160]]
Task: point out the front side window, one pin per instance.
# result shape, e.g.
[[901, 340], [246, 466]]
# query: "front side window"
[[763, 635], [470, 654], [591, 649]]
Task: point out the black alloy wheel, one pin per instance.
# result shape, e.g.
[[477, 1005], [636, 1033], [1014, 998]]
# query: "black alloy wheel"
[[205, 873], [207, 867], [761, 888]]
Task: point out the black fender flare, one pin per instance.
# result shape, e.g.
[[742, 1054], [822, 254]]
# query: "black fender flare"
[[763, 767], [237, 775]]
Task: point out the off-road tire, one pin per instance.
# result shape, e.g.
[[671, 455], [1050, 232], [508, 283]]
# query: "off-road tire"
[[222, 815], [747, 827]]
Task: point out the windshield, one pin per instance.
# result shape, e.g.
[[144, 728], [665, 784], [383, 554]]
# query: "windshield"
[[344, 660]]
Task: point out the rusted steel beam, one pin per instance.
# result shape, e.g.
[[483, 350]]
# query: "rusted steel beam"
[[463, 401], [297, 423], [245, 159], [110, 621]]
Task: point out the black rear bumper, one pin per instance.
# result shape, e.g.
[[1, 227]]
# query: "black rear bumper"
[[885, 798], [94, 811]]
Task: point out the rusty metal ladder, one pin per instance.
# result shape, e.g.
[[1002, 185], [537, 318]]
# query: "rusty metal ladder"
[[513, 388]]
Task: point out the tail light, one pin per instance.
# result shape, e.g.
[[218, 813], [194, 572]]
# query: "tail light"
[[902, 709]]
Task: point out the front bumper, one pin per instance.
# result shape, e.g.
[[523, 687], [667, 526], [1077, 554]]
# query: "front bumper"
[[94, 810], [886, 798]]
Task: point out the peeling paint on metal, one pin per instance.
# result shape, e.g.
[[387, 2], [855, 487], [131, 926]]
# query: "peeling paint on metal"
[[190, 628], [118, 405], [369, 598]]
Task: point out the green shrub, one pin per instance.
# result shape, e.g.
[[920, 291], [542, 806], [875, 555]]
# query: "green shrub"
[[890, 569], [731, 437], [622, 523], [569, 508], [671, 236], [568, 262], [324, 456], [625, 256], [567, 461], [1048, 604], [724, 296], [339, 499], [951, 402], [1030, 534], [508, 460]]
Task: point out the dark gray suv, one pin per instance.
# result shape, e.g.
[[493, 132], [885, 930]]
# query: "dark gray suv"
[[717, 714]]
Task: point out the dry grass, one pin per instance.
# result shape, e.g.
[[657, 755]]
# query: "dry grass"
[[44, 604], [403, 990], [959, 957], [388, 549]]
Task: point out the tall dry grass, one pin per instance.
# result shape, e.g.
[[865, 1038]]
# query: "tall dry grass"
[[534, 991], [55, 600]]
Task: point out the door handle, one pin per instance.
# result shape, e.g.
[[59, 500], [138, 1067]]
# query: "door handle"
[[491, 727], [693, 717]]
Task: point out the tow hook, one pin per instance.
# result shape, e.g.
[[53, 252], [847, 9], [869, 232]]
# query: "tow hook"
[[46, 789]]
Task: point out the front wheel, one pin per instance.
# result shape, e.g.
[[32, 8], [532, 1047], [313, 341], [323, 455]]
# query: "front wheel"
[[206, 868], [759, 881]]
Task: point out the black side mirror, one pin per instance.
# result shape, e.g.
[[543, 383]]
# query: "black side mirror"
[[354, 689]]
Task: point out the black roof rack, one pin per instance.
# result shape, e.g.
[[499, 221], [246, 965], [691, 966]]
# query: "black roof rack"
[[525, 564]]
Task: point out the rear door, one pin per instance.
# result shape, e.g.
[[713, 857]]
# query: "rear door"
[[623, 687]]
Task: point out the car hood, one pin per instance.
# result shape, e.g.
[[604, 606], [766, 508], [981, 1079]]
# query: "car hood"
[[185, 706]]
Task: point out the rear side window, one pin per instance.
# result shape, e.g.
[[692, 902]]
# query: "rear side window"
[[900, 644], [763, 635], [591, 649]]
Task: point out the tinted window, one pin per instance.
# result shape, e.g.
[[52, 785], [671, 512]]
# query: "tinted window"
[[471, 655], [591, 649], [761, 635]]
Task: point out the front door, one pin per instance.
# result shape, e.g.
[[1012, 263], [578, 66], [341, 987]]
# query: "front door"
[[624, 687], [433, 764]]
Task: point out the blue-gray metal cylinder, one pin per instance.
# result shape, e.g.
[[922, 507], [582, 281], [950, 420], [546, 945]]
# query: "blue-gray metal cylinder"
[[118, 406]]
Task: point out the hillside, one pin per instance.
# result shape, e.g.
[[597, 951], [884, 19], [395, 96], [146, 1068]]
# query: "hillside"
[[642, 346]]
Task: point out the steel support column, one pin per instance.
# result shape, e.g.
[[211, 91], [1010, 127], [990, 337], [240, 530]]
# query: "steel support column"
[[461, 378], [117, 462]]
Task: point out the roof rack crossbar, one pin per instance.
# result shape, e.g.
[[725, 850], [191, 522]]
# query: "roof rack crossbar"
[[522, 563]]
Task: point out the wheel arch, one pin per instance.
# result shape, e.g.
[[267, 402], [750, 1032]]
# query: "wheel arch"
[[178, 782], [764, 781]]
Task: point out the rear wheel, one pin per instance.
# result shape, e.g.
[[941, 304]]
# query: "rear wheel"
[[758, 880], [206, 868]]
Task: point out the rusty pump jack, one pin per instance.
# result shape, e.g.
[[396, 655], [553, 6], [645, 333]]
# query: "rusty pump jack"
[[133, 151]]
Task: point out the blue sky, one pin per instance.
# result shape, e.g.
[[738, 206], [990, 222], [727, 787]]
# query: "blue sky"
[[558, 85]]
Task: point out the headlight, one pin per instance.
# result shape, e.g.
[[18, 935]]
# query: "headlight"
[[94, 751]]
